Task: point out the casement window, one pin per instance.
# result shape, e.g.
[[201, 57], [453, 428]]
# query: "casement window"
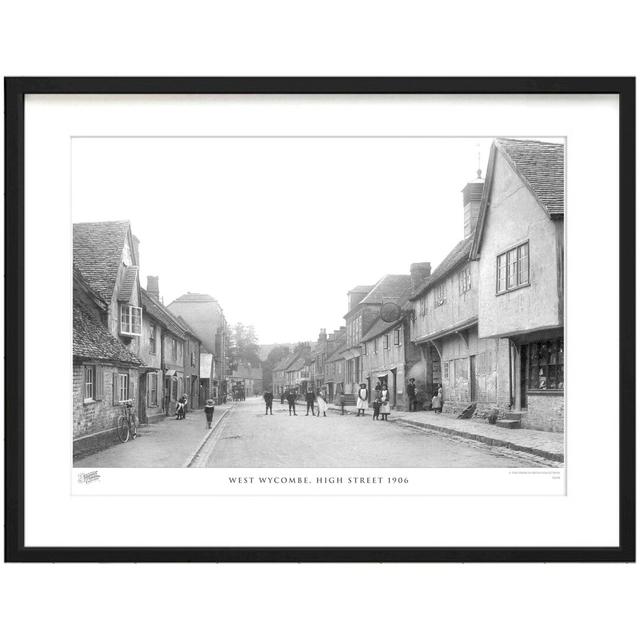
[[174, 349], [512, 268], [152, 339], [193, 359], [440, 295], [545, 370], [396, 337], [423, 306], [386, 340], [89, 383], [464, 280], [130, 320]]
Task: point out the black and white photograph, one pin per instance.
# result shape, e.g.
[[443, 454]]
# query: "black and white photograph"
[[318, 302]]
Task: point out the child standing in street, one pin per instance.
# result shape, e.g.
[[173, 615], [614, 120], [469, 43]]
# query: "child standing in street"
[[208, 412]]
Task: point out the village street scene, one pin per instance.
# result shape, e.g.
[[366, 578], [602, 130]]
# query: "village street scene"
[[459, 363]]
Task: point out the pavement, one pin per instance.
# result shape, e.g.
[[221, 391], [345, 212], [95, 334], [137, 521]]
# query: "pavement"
[[169, 443], [544, 444], [247, 438]]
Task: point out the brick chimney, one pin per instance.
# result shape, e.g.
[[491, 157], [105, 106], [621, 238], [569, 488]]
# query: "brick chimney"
[[420, 271], [153, 288], [471, 197]]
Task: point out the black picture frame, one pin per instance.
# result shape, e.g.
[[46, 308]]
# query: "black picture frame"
[[15, 91]]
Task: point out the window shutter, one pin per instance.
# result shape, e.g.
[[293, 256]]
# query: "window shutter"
[[130, 388], [114, 387], [99, 392]]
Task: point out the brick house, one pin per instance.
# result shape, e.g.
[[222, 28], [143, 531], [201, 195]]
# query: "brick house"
[[358, 319], [518, 247], [164, 349], [107, 324], [206, 319], [364, 312]]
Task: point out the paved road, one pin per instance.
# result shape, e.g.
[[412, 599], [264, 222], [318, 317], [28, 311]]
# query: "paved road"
[[249, 438]]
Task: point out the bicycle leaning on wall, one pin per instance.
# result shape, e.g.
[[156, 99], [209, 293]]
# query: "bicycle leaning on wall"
[[127, 422]]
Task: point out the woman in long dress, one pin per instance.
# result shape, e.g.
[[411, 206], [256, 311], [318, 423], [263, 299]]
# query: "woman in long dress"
[[361, 403], [322, 403], [385, 406]]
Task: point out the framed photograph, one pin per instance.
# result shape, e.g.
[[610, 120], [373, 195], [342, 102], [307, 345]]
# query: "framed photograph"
[[320, 319]]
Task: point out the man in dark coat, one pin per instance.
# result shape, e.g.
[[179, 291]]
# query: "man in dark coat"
[[291, 399], [268, 402], [310, 397], [411, 394]]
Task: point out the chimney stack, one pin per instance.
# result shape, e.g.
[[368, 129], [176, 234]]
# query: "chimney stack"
[[471, 197], [153, 288], [420, 271]]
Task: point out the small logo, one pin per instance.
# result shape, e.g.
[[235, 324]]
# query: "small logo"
[[86, 478]]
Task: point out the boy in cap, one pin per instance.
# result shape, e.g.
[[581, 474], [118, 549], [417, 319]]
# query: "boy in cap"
[[208, 412]]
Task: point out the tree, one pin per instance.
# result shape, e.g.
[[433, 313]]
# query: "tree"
[[244, 345]]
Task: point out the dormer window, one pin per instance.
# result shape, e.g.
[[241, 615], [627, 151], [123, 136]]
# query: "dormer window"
[[130, 320]]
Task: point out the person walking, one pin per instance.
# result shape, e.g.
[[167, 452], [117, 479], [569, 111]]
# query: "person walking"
[[385, 404], [208, 412], [291, 399], [310, 397], [268, 402], [282, 396], [361, 403], [322, 403], [376, 402], [411, 394]]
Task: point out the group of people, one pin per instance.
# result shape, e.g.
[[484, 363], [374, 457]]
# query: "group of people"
[[312, 398], [381, 401]]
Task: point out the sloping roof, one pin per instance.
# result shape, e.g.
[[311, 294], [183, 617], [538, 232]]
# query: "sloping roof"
[[297, 364], [459, 254], [97, 252], [161, 313], [92, 340], [390, 286], [128, 283], [195, 297], [541, 166], [361, 288]]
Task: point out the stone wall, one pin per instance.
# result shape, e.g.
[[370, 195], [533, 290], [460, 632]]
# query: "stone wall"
[[94, 421], [544, 412]]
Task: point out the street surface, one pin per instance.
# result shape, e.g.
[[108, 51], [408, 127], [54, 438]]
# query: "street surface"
[[249, 438]]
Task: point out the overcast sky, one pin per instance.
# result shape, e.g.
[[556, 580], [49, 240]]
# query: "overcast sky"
[[278, 229]]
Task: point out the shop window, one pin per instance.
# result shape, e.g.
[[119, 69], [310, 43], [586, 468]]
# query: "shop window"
[[546, 365]]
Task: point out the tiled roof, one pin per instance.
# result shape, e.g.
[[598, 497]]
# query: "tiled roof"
[[541, 165], [362, 288], [195, 297], [390, 286], [161, 313], [128, 283], [97, 252], [297, 364], [92, 340], [459, 254]]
